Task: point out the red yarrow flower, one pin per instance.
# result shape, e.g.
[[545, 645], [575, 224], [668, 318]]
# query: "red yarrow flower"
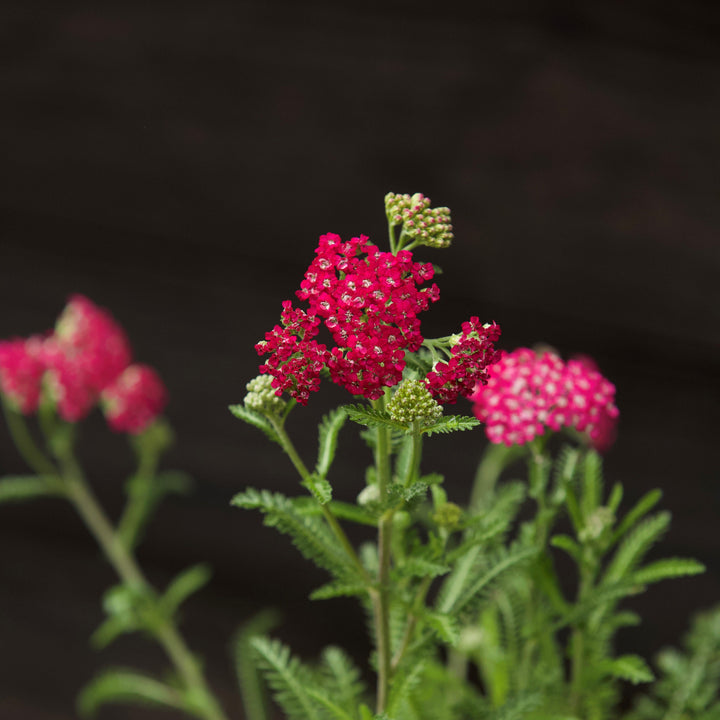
[[369, 301], [528, 392], [22, 367], [86, 353], [134, 400], [468, 364]]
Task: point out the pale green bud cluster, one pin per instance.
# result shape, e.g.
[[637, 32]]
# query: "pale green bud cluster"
[[448, 516], [261, 396], [412, 401], [426, 225], [597, 523]]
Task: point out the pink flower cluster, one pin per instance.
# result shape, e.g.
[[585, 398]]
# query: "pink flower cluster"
[[87, 360], [369, 302], [528, 392], [467, 367]]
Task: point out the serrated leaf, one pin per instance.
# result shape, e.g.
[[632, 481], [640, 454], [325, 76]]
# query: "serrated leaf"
[[667, 568], [643, 506], [17, 488], [446, 626], [327, 440], [252, 688], [451, 423], [256, 419], [420, 567], [566, 543], [320, 488], [338, 589], [629, 667], [364, 415], [309, 535], [127, 686], [185, 584], [289, 679], [335, 711]]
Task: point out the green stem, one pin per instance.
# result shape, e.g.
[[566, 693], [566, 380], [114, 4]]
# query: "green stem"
[[577, 646], [381, 602], [24, 442], [126, 567], [494, 460], [332, 521]]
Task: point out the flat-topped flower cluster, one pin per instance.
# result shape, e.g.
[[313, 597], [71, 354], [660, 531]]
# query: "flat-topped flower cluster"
[[528, 392], [369, 301], [85, 361]]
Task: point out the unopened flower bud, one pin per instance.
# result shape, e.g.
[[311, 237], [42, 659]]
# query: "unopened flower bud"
[[596, 524], [412, 401], [426, 225], [368, 495], [448, 516], [261, 396]]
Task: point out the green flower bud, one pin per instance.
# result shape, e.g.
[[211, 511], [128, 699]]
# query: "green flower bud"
[[597, 523], [261, 396], [413, 401], [368, 495], [448, 516], [425, 225]]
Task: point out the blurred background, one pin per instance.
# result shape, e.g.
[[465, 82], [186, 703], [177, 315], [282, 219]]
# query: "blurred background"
[[176, 162]]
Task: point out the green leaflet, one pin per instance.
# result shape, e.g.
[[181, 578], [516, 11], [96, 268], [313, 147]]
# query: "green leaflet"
[[182, 586], [17, 488], [256, 419], [629, 667], [252, 689], [127, 686], [451, 423], [289, 679], [365, 415], [308, 533], [328, 432]]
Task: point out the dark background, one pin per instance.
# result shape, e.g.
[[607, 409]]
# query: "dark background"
[[176, 161]]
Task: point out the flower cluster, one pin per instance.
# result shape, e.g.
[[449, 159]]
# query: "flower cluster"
[[369, 302], [471, 354], [528, 392], [86, 360], [425, 225]]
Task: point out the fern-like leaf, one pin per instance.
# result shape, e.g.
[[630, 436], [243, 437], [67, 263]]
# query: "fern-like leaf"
[[308, 533], [365, 415], [289, 679], [327, 440], [667, 568], [451, 423], [256, 419]]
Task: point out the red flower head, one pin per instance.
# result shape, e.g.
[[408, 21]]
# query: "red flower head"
[[86, 353], [22, 367], [369, 301], [134, 400], [467, 367], [528, 392]]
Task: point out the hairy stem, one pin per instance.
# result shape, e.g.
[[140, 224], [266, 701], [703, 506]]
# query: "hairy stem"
[[128, 570], [381, 602]]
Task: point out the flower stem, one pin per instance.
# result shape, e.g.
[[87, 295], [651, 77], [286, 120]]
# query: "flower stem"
[[24, 442], [381, 602], [332, 521], [122, 560]]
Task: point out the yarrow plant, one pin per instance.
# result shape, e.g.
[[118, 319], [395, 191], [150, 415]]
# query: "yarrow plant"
[[469, 618]]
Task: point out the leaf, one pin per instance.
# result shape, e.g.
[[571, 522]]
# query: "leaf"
[[253, 417], [667, 568], [632, 549], [341, 678], [252, 688], [446, 626], [364, 415], [127, 686], [185, 584], [420, 567], [338, 589], [629, 667], [334, 709], [566, 543], [451, 423], [16, 488], [309, 535], [646, 503], [320, 489], [327, 440], [592, 488], [288, 678]]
